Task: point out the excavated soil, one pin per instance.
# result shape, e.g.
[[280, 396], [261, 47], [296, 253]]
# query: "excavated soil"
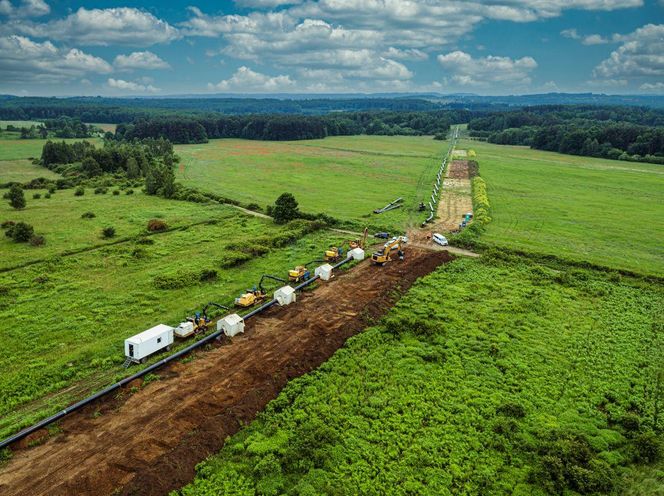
[[149, 441], [456, 199]]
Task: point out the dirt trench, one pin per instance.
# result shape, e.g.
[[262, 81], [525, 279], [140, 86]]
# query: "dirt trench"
[[148, 442]]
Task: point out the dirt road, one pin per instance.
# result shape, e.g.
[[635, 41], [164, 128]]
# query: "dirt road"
[[456, 197], [149, 442]]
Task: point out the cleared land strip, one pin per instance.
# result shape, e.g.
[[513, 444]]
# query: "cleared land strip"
[[456, 199], [149, 442]]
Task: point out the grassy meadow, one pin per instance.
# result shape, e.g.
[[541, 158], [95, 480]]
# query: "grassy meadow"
[[602, 211], [490, 376], [23, 170], [345, 177], [15, 149]]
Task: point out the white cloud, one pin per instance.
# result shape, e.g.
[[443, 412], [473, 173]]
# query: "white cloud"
[[262, 4], [27, 8], [658, 86], [130, 86], [116, 26], [571, 33], [591, 39], [639, 58], [247, 81], [140, 60], [25, 60], [487, 71], [407, 54]]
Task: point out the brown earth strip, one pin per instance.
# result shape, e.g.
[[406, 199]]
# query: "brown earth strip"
[[148, 442]]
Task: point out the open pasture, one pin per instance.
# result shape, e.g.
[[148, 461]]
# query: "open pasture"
[[606, 212], [344, 177]]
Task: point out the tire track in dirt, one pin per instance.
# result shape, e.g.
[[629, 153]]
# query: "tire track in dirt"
[[149, 442]]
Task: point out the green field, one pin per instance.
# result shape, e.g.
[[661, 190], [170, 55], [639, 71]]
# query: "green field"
[[490, 376], [601, 211], [13, 149], [59, 219], [345, 177], [22, 171], [75, 311], [4, 124]]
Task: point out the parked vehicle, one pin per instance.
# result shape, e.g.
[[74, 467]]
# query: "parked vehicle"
[[382, 235], [439, 239]]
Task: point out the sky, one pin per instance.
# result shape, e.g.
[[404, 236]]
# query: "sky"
[[490, 47]]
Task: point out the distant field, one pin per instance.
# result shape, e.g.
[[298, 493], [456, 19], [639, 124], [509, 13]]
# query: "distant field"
[[23, 170], [4, 124], [602, 211], [345, 177], [12, 149], [59, 219], [103, 127]]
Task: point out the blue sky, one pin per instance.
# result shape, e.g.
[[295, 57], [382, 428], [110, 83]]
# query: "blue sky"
[[123, 48]]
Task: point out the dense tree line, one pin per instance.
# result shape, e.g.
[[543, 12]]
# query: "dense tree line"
[[635, 134], [286, 127]]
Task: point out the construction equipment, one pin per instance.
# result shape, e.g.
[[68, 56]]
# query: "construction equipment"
[[256, 295], [201, 320], [385, 255], [333, 254], [301, 273], [359, 243], [422, 207]]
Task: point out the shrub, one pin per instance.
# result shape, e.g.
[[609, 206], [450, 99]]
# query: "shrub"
[[16, 197], [511, 410], [80, 191], [51, 189], [37, 240], [254, 206], [207, 275], [129, 192], [232, 258], [20, 232], [648, 447], [101, 191], [157, 225], [36, 196], [116, 192], [88, 215], [7, 224], [108, 232], [47, 195], [145, 241]]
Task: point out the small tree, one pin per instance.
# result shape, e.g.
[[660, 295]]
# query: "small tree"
[[167, 182], [80, 191], [16, 197], [90, 167], [285, 209], [108, 232], [133, 171], [21, 232]]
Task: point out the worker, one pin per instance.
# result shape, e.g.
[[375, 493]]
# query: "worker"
[[401, 255]]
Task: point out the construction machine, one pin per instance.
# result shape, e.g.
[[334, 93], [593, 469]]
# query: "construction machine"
[[199, 322], [301, 273], [333, 254], [384, 255], [256, 295], [359, 243]]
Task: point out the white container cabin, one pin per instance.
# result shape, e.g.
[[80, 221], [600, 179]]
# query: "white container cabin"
[[285, 296], [141, 346], [231, 325]]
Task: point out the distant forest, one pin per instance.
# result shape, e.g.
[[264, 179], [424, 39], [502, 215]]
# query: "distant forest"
[[622, 133]]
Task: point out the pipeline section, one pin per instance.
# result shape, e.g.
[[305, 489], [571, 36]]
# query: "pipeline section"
[[437, 187], [77, 406]]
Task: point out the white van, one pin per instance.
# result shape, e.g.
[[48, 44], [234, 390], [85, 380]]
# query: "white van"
[[439, 239]]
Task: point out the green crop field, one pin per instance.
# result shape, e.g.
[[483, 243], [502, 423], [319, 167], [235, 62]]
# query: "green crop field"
[[76, 310], [345, 177], [602, 211], [4, 124], [491, 376]]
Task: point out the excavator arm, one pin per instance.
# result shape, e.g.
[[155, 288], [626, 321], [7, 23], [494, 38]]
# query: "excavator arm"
[[268, 276]]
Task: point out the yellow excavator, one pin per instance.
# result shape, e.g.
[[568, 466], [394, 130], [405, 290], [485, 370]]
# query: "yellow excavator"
[[359, 243], [385, 254], [333, 254], [255, 295]]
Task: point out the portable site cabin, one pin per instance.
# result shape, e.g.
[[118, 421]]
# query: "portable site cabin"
[[356, 254], [140, 346], [324, 272], [184, 330], [231, 325], [285, 295]]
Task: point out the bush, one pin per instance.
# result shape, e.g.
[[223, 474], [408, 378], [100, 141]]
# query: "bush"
[[16, 197], [37, 240], [157, 225], [285, 209], [88, 215], [648, 447], [7, 224], [20, 232], [116, 192], [254, 206], [36, 196], [51, 189], [47, 195], [129, 192], [108, 232], [101, 191], [80, 191]]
